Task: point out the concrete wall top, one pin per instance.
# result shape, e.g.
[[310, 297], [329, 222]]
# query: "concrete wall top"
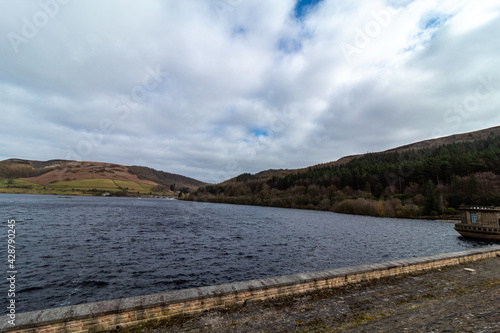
[[75, 312]]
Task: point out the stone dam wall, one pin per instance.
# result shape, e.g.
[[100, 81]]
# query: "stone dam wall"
[[134, 311]]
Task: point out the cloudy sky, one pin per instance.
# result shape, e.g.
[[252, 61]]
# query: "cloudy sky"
[[214, 88]]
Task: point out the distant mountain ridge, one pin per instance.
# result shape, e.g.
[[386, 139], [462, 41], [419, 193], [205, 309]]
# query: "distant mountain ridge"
[[455, 138], [430, 143], [164, 178], [47, 172], [424, 179]]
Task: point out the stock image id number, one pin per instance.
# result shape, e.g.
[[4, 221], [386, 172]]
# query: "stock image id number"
[[11, 250]]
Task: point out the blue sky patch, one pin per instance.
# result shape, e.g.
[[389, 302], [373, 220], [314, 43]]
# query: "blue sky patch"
[[259, 132], [435, 22], [303, 7], [431, 25]]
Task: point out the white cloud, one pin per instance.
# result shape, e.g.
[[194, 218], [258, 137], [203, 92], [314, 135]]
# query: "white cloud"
[[212, 89]]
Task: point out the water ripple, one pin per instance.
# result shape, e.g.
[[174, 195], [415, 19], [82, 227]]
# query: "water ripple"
[[91, 249]]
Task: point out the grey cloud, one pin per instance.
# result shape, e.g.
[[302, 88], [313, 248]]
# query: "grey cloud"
[[243, 86]]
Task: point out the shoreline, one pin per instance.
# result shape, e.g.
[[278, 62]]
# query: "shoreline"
[[65, 194], [441, 218]]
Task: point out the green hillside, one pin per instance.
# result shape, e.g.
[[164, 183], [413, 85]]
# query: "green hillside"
[[89, 178], [80, 187], [404, 183], [103, 185]]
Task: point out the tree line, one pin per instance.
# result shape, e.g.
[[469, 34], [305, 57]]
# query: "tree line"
[[424, 182]]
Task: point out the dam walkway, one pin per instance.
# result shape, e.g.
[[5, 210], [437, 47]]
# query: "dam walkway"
[[461, 298]]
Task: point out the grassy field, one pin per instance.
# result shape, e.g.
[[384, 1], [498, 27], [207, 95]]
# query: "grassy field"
[[76, 187], [16, 182], [103, 184], [22, 186], [85, 184]]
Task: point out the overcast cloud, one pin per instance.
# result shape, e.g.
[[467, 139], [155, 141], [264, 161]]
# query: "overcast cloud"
[[214, 88]]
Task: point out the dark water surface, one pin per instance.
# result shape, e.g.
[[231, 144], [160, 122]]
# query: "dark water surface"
[[86, 249]]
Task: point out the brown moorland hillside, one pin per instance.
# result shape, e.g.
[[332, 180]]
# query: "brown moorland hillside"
[[47, 172], [86, 170], [165, 178]]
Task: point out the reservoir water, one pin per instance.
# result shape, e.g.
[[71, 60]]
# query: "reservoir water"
[[86, 249]]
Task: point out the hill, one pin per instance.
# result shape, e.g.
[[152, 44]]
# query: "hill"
[[425, 178], [164, 178], [426, 144], [73, 177]]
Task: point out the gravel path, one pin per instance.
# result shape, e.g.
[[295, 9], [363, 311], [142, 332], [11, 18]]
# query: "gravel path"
[[464, 298]]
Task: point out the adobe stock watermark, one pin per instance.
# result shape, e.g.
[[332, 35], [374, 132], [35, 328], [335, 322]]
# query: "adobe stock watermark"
[[454, 116], [370, 31], [31, 26], [11, 270], [122, 107]]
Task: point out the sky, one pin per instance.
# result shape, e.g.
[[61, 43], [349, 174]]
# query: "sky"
[[214, 88]]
